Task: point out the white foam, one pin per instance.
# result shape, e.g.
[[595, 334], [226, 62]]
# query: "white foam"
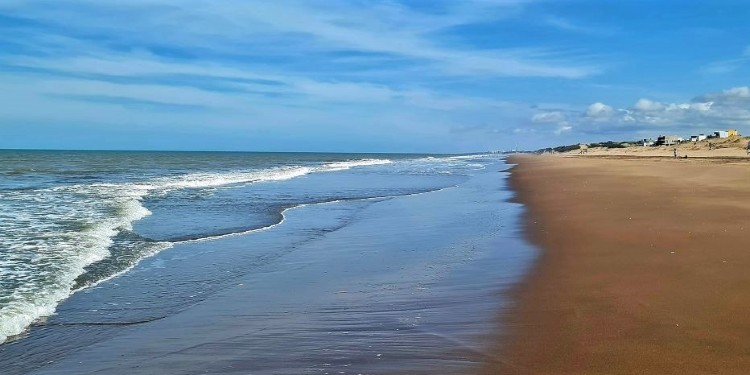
[[470, 157], [45, 253], [48, 255], [208, 180], [343, 165]]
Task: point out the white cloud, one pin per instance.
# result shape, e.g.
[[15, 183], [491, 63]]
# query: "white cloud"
[[728, 109], [599, 111], [738, 92], [701, 107], [647, 105], [556, 118], [563, 129], [734, 95]]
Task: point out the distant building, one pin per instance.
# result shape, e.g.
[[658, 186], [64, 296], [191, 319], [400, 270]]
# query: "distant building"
[[647, 142], [667, 140], [733, 133], [721, 134], [697, 138]]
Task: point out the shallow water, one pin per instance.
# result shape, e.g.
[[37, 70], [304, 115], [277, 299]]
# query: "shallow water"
[[344, 263]]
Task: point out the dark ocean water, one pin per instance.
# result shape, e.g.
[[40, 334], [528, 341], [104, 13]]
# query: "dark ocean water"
[[99, 244]]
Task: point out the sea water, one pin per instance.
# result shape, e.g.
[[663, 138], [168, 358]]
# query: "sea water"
[[79, 223]]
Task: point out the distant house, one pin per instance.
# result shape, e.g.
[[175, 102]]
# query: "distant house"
[[697, 138], [647, 142], [721, 134], [667, 140], [733, 133]]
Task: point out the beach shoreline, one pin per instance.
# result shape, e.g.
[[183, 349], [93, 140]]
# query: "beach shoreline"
[[404, 283], [642, 267]]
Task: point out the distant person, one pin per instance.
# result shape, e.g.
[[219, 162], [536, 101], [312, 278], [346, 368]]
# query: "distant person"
[[748, 148], [675, 153], [710, 146]]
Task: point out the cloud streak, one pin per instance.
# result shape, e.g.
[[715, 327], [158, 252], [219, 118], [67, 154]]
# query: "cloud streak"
[[564, 24], [303, 28]]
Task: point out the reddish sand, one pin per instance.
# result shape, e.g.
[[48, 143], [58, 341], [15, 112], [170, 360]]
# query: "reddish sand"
[[645, 268]]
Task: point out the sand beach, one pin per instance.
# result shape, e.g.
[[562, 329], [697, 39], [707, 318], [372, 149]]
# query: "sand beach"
[[644, 267]]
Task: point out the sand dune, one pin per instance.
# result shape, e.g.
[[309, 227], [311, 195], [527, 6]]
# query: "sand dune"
[[726, 147]]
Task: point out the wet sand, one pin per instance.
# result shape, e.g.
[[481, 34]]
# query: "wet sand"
[[645, 268]]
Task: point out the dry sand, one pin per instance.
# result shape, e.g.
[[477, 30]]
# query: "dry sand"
[[710, 148], [645, 268], [725, 147]]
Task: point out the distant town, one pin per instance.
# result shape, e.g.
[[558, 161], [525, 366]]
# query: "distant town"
[[661, 140]]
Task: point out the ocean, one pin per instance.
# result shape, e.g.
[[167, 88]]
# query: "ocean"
[[123, 262]]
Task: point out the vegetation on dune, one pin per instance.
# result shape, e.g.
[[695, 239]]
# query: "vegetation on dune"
[[607, 144]]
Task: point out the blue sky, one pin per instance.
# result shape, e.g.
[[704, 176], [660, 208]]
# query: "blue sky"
[[356, 75]]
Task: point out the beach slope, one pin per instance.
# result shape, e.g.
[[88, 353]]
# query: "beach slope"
[[645, 268]]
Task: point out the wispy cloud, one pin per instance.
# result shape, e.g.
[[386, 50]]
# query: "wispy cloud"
[[728, 65], [127, 102], [545, 117], [310, 30], [565, 24], [377, 69], [724, 66]]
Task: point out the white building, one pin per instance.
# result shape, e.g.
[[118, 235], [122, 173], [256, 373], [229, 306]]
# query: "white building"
[[697, 138], [668, 140]]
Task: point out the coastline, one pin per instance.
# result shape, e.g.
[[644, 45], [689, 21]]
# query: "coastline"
[[397, 284], [642, 269]]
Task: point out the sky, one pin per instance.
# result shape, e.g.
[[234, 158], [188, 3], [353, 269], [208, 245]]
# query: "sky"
[[443, 76]]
